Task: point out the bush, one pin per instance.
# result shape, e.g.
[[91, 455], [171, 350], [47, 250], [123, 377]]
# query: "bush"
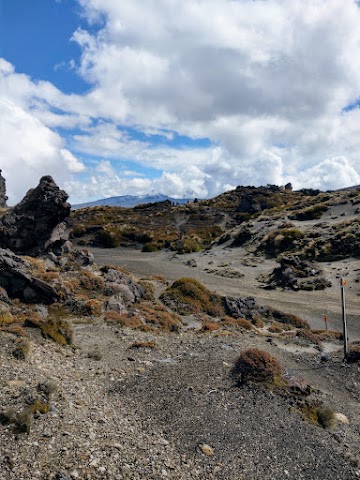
[[254, 365], [310, 213], [58, 330], [354, 354], [22, 349], [290, 319], [319, 415], [151, 247], [241, 323], [187, 296]]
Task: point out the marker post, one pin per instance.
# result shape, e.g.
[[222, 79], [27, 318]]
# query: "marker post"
[[343, 310]]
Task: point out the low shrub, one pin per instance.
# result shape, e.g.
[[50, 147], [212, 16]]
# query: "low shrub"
[[290, 319], [22, 349], [311, 213], [353, 354], [319, 415], [151, 247], [241, 323], [58, 330], [209, 327], [254, 365], [157, 317], [187, 296]]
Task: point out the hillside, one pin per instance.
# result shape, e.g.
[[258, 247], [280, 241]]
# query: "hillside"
[[212, 364], [311, 224]]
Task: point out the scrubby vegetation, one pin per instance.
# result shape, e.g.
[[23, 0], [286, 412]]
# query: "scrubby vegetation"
[[254, 365], [187, 296]]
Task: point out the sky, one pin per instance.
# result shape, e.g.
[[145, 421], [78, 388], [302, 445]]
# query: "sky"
[[188, 98]]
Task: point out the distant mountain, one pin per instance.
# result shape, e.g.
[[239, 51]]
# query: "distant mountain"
[[130, 201]]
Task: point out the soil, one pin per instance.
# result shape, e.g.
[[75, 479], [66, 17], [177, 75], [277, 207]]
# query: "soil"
[[173, 411]]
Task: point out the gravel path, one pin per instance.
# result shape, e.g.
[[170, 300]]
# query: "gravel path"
[[311, 306]]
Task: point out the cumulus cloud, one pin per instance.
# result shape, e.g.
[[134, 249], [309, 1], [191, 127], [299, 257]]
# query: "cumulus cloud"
[[265, 82], [30, 150]]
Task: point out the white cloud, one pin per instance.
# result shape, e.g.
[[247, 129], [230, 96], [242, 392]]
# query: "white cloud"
[[30, 150], [265, 81]]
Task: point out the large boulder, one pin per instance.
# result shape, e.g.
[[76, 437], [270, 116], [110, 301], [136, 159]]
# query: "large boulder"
[[3, 197], [32, 226], [19, 283]]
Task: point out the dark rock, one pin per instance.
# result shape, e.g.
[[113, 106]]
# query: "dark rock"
[[242, 307], [35, 225], [243, 236], [3, 197], [18, 283], [294, 274]]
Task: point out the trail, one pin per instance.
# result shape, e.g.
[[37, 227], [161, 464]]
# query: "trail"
[[311, 306]]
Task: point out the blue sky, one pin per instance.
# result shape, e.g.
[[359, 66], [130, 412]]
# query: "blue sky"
[[181, 98]]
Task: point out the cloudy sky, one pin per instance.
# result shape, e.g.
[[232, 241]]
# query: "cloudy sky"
[[180, 97]]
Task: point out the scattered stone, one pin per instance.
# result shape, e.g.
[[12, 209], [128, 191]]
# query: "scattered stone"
[[207, 450]]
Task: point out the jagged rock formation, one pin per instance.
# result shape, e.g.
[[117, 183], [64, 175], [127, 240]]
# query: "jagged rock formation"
[[295, 274], [33, 226], [3, 197], [18, 283]]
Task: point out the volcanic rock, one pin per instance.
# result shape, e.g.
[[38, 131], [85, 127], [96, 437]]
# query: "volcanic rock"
[[3, 197], [31, 227], [18, 283]]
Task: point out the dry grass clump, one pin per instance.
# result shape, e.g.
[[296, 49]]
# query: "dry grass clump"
[[314, 212], [209, 327], [319, 415], [187, 296], [149, 290], [328, 335], [48, 387], [6, 319], [156, 316], [90, 280], [22, 349], [22, 421], [281, 240], [58, 330], [275, 328], [290, 319], [241, 323], [354, 353], [309, 336], [129, 320], [254, 365]]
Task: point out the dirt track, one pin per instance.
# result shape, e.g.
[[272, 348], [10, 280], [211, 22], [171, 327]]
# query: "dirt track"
[[311, 306]]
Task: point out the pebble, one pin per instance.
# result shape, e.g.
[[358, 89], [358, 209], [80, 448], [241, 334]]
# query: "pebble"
[[207, 450]]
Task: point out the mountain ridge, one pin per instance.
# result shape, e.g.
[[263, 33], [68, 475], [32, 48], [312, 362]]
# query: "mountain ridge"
[[129, 201]]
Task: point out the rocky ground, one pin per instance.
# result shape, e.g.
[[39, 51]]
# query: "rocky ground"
[[159, 401], [171, 411]]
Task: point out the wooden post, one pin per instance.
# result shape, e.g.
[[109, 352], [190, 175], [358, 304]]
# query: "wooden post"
[[343, 309], [326, 320]]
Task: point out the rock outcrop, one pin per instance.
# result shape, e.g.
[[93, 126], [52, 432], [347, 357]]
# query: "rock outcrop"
[[19, 283], [294, 274], [3, 197], [33, 226]]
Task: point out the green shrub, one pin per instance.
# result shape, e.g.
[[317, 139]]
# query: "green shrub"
[[151, 247], [319, 415], [58, 330], [187, 295], [311, 213]]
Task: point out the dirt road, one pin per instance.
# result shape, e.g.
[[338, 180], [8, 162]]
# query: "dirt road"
[[311, 306]]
